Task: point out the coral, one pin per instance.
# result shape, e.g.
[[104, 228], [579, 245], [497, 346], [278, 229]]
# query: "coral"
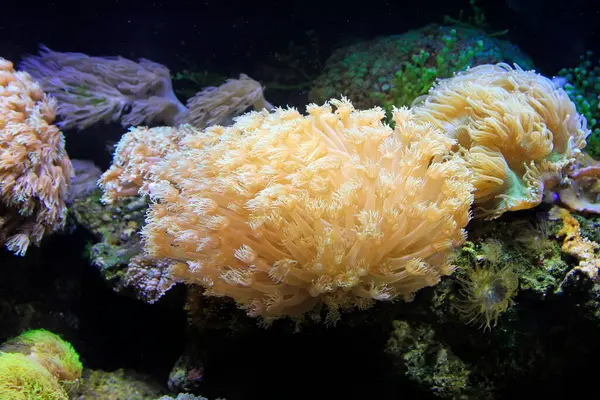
[[48, 350], [491, 251], [487, 291], [150, 278], [585, 250], [526, 247], [22, 379], [395, 70], [35, 170], [536, 239], [85, 180], [135, 154], [37, 365], [94, 89], [582, 84], [219, 105], [188, 372], [520, 133], [581, 192], [284, 212], [90, 90]]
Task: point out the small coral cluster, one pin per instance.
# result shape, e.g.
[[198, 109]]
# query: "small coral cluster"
[[219, 104], [585, 250], [487, 291], [519, 132], [137, 151], [34, 167]]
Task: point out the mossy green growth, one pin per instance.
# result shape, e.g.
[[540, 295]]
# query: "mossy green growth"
[[589, 226], [427, 361], [23, 379], [583, 88], [500, 260], [116, 228], [51, 352]]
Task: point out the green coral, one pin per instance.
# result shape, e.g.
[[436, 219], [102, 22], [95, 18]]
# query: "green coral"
[[56, 355], [583, 88], [415, 77], [23, 379], [541, 268], [38, 365], [395, 70]]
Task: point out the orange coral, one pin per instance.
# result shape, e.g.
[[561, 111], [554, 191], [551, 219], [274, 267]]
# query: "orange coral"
[[576, 245], [34, 167], [285, 212], [519, 131]]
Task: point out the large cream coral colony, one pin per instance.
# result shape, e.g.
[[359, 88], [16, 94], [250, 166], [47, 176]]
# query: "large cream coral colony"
[[285, 212]]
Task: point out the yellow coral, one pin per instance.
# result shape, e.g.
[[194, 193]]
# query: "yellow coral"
[[34, 168], [519, 130], [285, 212], [585, 250], [23, 379], [50, 351]]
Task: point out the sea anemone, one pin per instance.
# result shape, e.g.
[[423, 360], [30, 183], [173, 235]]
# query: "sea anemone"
[[487, 291]]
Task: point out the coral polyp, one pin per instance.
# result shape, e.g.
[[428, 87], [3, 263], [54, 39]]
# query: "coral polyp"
[[487, 292]]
